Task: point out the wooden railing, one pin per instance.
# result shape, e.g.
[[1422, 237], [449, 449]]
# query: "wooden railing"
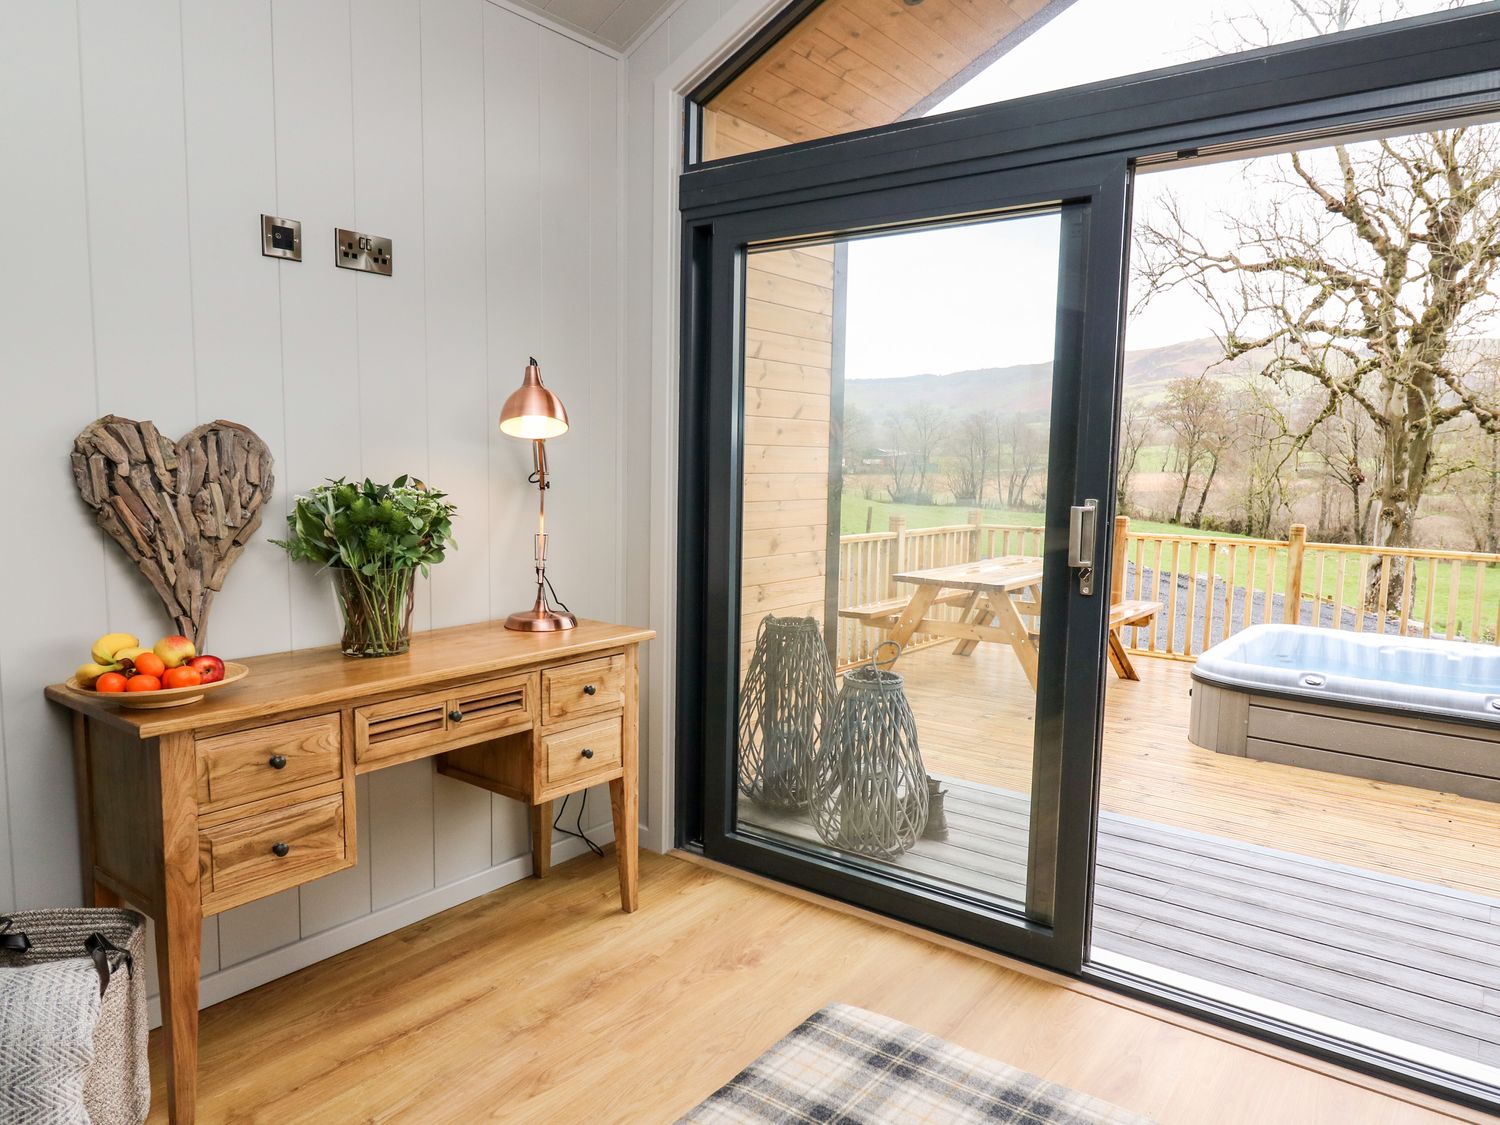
[[1210, 585]]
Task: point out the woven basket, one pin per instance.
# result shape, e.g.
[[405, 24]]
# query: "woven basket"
[[118, 1088]]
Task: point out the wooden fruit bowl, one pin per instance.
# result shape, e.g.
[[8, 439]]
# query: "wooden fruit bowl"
[[166, 697]]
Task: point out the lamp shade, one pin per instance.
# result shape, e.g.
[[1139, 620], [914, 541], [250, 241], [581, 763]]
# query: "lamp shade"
[[532, 411]]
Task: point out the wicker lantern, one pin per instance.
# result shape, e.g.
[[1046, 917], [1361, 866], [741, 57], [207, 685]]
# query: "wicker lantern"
[[870, 789], [785, 699]]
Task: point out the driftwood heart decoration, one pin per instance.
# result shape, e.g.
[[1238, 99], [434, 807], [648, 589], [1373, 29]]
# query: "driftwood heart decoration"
[[183, 511]]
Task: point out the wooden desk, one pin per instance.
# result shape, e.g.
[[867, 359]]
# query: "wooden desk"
[[189, 811]]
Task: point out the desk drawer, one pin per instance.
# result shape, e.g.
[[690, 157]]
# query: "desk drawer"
[[422, 724], [250, 764], [590, 687], [574, 756], [259, 855]]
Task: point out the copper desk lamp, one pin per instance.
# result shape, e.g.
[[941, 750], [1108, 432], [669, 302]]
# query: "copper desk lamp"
[[536, 414]]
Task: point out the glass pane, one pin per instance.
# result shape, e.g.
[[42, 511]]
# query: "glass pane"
[[897, 397], [1299, 795], [855, 64]]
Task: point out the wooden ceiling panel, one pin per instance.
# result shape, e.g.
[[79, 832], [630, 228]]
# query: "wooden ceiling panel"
[[858, 64]]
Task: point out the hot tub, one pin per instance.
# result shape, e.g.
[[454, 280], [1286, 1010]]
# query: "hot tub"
[[1398, 709]]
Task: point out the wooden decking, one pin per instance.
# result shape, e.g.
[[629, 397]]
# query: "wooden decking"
[[974, 715], [1367, 903]]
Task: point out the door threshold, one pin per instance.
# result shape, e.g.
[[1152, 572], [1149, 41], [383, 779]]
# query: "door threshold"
[[1179, 1009]]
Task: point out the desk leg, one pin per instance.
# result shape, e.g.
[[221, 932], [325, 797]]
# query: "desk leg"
[[541, 839], [178, 953], [624, 791], [179, 923], [624, 803]]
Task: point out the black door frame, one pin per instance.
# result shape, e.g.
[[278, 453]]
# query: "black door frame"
[[1091, 197], [1395, 77]]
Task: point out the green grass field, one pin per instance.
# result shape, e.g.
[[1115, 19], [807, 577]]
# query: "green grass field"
[[859, 514]]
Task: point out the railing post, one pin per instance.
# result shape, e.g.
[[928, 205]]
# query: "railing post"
[[1117, 562], [1296, 549], [898, 559], [976, 517]]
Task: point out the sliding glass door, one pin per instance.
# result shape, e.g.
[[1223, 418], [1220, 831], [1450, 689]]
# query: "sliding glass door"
[[907, 434]]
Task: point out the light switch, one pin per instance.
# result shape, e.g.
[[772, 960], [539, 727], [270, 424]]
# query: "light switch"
[[365, 252], [281, 238]]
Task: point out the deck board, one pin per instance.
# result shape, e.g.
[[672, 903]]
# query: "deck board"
[[1363, 901], [1323, 937]]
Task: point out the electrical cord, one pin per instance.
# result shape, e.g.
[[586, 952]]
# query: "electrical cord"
[[562, 605], [579, 834]]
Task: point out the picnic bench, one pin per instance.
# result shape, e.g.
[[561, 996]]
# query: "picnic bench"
[[999, 601]]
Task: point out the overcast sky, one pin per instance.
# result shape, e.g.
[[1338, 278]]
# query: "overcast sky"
[[984, 296]]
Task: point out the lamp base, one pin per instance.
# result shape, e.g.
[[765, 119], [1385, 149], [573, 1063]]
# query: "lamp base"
[[539, 619]]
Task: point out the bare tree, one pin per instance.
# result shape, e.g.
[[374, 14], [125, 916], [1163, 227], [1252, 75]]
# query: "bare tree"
[[972, 447], [1195, 412], [1357, 275], [1136, 430], [857, 437], [1020, 455], [916, 433], [1259, 434], [1345, 448], [1472, 459]]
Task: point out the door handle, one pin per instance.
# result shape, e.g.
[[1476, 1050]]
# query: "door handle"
[[1083, 521]]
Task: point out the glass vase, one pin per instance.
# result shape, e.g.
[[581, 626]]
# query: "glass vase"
[[376, 609]]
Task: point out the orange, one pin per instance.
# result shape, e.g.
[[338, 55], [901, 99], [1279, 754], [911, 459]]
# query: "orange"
[[181, 677], [149, 664], [110, 681], [142, 682]]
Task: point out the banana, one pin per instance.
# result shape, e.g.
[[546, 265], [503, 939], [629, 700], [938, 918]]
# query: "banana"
[[88, 673], [106, 646], [128, 655]]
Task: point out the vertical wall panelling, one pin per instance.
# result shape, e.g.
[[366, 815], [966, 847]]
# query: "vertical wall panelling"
[[635, 412], [53, 567], [459, 423], [315, 183], [386, 54], [142, 143], [230, 113], [138, 236], [514, 203]]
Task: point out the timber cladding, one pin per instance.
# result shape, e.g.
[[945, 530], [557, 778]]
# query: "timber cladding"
[[790, 365], [858, 64]]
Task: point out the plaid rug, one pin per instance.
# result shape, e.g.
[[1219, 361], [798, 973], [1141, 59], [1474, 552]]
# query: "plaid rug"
[[848, 1066]]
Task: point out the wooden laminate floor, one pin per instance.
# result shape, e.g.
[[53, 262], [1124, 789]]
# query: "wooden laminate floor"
[[542, 1002]]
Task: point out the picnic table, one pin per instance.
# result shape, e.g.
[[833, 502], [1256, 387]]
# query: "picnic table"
[[999, 600]]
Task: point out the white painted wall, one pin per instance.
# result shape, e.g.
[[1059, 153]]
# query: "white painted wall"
[[140, 142]]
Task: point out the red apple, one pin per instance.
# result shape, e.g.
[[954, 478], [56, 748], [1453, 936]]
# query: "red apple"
[[211, 668]]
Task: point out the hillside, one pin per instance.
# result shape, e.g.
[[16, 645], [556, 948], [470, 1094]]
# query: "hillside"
[[1025, 387]]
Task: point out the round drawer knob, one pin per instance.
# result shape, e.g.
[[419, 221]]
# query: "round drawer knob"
[[456, 715], [278, 761], [590, 689], [279, 850], [587, 753]]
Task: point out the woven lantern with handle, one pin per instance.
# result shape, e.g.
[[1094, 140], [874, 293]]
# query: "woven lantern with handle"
[[870, 790], [784, 702]]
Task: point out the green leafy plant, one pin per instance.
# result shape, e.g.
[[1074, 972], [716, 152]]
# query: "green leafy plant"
[[373, 537]]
